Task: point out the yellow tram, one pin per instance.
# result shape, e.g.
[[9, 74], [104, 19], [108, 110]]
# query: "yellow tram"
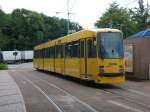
[[92, 54]]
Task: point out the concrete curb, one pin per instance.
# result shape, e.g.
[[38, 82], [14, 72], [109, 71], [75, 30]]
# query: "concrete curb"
[[11, 99]]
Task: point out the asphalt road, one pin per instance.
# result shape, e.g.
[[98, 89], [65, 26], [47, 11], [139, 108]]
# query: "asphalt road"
[[49, 92]]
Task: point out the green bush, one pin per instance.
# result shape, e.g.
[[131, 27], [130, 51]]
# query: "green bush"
[[3, 66]]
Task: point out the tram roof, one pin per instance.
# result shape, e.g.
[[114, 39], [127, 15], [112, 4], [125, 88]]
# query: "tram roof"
[[103, 30], [75, 36]]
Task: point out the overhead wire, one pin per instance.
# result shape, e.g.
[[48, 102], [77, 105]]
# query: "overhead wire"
[[62, 8], [73, 4], [129, 3]]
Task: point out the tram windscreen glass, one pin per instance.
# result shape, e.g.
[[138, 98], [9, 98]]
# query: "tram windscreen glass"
[[110, 45]]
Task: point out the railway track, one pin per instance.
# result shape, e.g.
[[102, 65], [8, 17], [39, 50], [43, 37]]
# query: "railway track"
[[127, 98], [48, 98], [65, 99], [79, 104]]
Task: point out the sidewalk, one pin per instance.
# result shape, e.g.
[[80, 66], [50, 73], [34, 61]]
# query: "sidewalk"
[[11, 99]]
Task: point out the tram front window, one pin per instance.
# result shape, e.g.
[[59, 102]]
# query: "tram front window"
[[110, 45]]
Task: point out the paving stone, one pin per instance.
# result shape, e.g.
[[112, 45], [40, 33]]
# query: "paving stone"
[[11, 99]]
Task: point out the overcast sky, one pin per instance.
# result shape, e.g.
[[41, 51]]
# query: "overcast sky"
[[85, 12]]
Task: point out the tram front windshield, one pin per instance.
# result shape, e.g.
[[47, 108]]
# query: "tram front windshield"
[[110, 45]]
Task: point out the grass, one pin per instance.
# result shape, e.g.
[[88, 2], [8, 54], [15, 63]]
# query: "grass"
[[3, 66]]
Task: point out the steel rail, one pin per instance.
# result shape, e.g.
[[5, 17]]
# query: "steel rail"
[[67, 93], [48, 98], [127, 98]]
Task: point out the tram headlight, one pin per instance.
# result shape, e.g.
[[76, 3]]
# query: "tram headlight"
[[101, 69]]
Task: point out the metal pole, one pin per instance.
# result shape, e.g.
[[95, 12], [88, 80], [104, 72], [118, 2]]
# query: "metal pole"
[[68, 17]]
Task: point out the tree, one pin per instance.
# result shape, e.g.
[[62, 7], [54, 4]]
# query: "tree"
[[2, 16], [23, 29], [56, 27], [141, 15], [117, 17], [4, 30]]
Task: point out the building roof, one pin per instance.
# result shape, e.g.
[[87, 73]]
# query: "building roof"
[[144, 33]]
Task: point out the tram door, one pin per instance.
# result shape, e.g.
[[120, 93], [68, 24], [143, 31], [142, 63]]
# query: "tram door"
[[83, 59]]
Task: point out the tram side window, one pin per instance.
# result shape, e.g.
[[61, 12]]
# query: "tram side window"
[[82, 49], [75, 49], [49, 52], [72, 50], [56, 52], [91, 49], [41, 53], [52, 52], [46, 52], [35, 52], [59, 52], [67, 51], [38, 54]]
